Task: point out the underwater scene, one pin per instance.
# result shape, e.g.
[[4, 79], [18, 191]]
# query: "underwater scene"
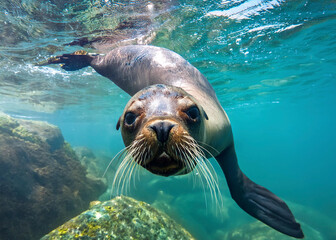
[[65, 172]]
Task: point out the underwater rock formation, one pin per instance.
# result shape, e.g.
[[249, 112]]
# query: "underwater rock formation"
[[259, 231], [95, 164], [42, 183], [120, 218]]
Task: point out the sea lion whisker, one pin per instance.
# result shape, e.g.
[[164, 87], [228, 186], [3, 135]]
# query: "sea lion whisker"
[[205, 174], [133, 159], [193, 156], [189, 159], [191, 148], [144, 152], [120, 176], [136, 154], [144, 162], [207, 145], [208, 163], [132, 169], [189, 164], [126, 180], [192, 164], [215, 192], [115, 157], [184, 157], [145, 156], [117, 177], [139, 141], [195, 174], [136, 157], [203, 165], [122, 185], [202, 160], [203, 143], [125, 167], [139, 160], [178, 151], [211, 168]]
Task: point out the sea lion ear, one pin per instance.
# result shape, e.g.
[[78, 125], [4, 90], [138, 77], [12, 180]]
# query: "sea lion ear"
[[205, 115], [118, 124]]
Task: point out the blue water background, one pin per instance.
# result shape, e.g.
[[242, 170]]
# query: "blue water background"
[[273, 67]]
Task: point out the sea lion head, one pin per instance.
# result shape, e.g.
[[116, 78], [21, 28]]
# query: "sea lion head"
[[161, 126]]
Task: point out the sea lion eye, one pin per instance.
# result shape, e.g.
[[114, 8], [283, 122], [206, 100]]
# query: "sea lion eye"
[[130, 118], [193, 112]]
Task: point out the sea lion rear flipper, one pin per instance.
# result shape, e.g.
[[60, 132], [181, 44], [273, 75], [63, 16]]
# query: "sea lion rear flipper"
[[255, 199], [70, 62]]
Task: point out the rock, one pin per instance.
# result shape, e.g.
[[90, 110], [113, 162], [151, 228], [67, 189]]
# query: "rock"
[[84, 152], [259, 231], [95, 163], [120, 218], [46, 132], [42, 183], [32, 131]]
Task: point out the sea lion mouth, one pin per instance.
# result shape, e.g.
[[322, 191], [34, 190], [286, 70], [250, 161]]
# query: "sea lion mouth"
[[163, 164]]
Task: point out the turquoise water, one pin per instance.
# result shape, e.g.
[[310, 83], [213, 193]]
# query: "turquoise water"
[[271, 63]]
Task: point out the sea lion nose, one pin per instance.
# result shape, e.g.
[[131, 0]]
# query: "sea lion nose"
[[162, 129]]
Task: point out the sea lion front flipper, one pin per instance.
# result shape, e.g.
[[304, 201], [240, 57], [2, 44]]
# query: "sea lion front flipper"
[[255, 199], [70, 62]]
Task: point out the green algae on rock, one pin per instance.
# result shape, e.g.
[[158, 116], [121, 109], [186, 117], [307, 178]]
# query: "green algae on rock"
[[120, 218], [37, 132]]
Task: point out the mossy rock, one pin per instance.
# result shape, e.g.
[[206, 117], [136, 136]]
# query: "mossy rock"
[[120, 218], [23, 133], [7, 124], [36, 132], [42, 183]]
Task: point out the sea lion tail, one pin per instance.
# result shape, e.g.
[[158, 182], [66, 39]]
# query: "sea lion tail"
[[71, 62], [255, 199]]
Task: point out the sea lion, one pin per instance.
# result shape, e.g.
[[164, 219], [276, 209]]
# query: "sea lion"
[[175, 107]]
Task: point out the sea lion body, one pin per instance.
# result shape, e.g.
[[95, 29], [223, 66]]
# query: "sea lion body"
[[173, 115]]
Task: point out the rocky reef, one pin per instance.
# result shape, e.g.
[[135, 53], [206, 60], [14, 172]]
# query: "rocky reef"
[[42, 183], [120, 218], [259, 231]]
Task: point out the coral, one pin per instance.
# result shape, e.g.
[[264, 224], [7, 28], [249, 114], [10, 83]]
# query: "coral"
[[42, 183], [120, 218]]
